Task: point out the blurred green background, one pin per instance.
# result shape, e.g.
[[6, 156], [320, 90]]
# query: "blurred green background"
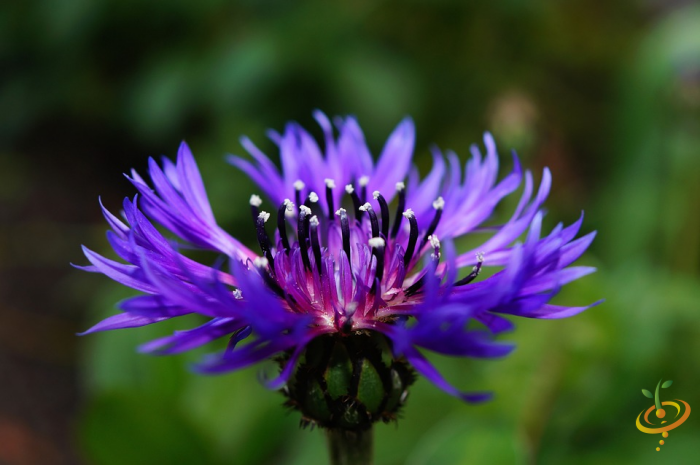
[[607, 94]]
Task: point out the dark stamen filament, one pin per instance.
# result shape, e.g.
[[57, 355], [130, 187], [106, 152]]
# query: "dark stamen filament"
[[372, 218], [287, 206], [412, 237], [475, 271], [303, 234], [263, 240], [330, 185], [315, 245], [438, 205], [345, 229], [435, 257], [377, 244], [298, 187], [385, 213], [401, 189], [355, 201]]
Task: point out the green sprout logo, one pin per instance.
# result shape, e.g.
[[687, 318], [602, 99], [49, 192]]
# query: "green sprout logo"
[[663, 427]]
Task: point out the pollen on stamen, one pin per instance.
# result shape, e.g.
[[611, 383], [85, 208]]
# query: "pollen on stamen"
[[340, 210], [264, 216], [363, 181], [313, 197], [237, 294], [409, 213], [400, 186], [349, 189], [329, 183], [304, 210], [439, 203], [434, 241], [376, 242], [365, 207], [260, 262], [313, 221], [376, 195], [255, 200], [299, 185]]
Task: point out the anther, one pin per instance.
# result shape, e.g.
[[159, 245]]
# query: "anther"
[[435, 244], [345, 230], [356, 202], [475, 271], [298, 187], [363, 181], [263, 240], [315, 245], [261, 264], [401, 189], [372, 218], [330, 185], [286, 207], [438, 205], [303, 234], [385, 212], [237, 294], [377, 244], [255, 202], [412, 237]]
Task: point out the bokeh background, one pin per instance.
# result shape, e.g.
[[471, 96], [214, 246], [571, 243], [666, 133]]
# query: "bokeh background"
[[607, 94]]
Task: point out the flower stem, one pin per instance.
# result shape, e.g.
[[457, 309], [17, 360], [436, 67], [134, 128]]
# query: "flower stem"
[[348, 447]]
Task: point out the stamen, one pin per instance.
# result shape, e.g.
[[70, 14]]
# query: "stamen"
[[372, 218], [435, 256], [412, 237], [435, 243], [261, 264], [401, 189], [330, 185], [475, 271], [303, 234], [287, 206], [298, 187], [355, 201], [345, 229], [385, 213], [237, 294], [255, 202], [438, 205], [315, 245], [263, 239], [377, 244], [363, 181]]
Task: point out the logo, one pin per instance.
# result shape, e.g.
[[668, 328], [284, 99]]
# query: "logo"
[[665, 424]]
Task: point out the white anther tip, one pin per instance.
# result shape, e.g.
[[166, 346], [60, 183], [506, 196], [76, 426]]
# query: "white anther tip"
[[409, 213], [365, 207], [376, 242], [255, 200], [363, 181], [237, 294], [304, 210], [299, 184], [439, 203], [400, 186], [480, 257], [260, 262], [264, 216], [314, 221], [376, 195], [329, 183], [340, 211], [313, 197], [434, 241], [349, 189]]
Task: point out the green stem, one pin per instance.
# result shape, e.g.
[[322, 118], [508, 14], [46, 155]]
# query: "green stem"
[[348, 447], [657, 401]]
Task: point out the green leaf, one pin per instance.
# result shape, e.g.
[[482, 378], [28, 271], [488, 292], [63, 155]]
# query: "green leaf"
[[647, 393], [667, 384]]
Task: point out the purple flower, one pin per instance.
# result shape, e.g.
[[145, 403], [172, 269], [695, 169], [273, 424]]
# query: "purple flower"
[[339, 261]]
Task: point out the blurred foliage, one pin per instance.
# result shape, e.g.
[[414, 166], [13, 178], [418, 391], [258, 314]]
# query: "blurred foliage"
[[605, 93]]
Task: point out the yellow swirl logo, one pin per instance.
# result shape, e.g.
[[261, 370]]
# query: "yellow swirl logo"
[[682, 412]]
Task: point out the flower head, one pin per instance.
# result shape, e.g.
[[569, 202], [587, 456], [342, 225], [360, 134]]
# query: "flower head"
[[342, 264]]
